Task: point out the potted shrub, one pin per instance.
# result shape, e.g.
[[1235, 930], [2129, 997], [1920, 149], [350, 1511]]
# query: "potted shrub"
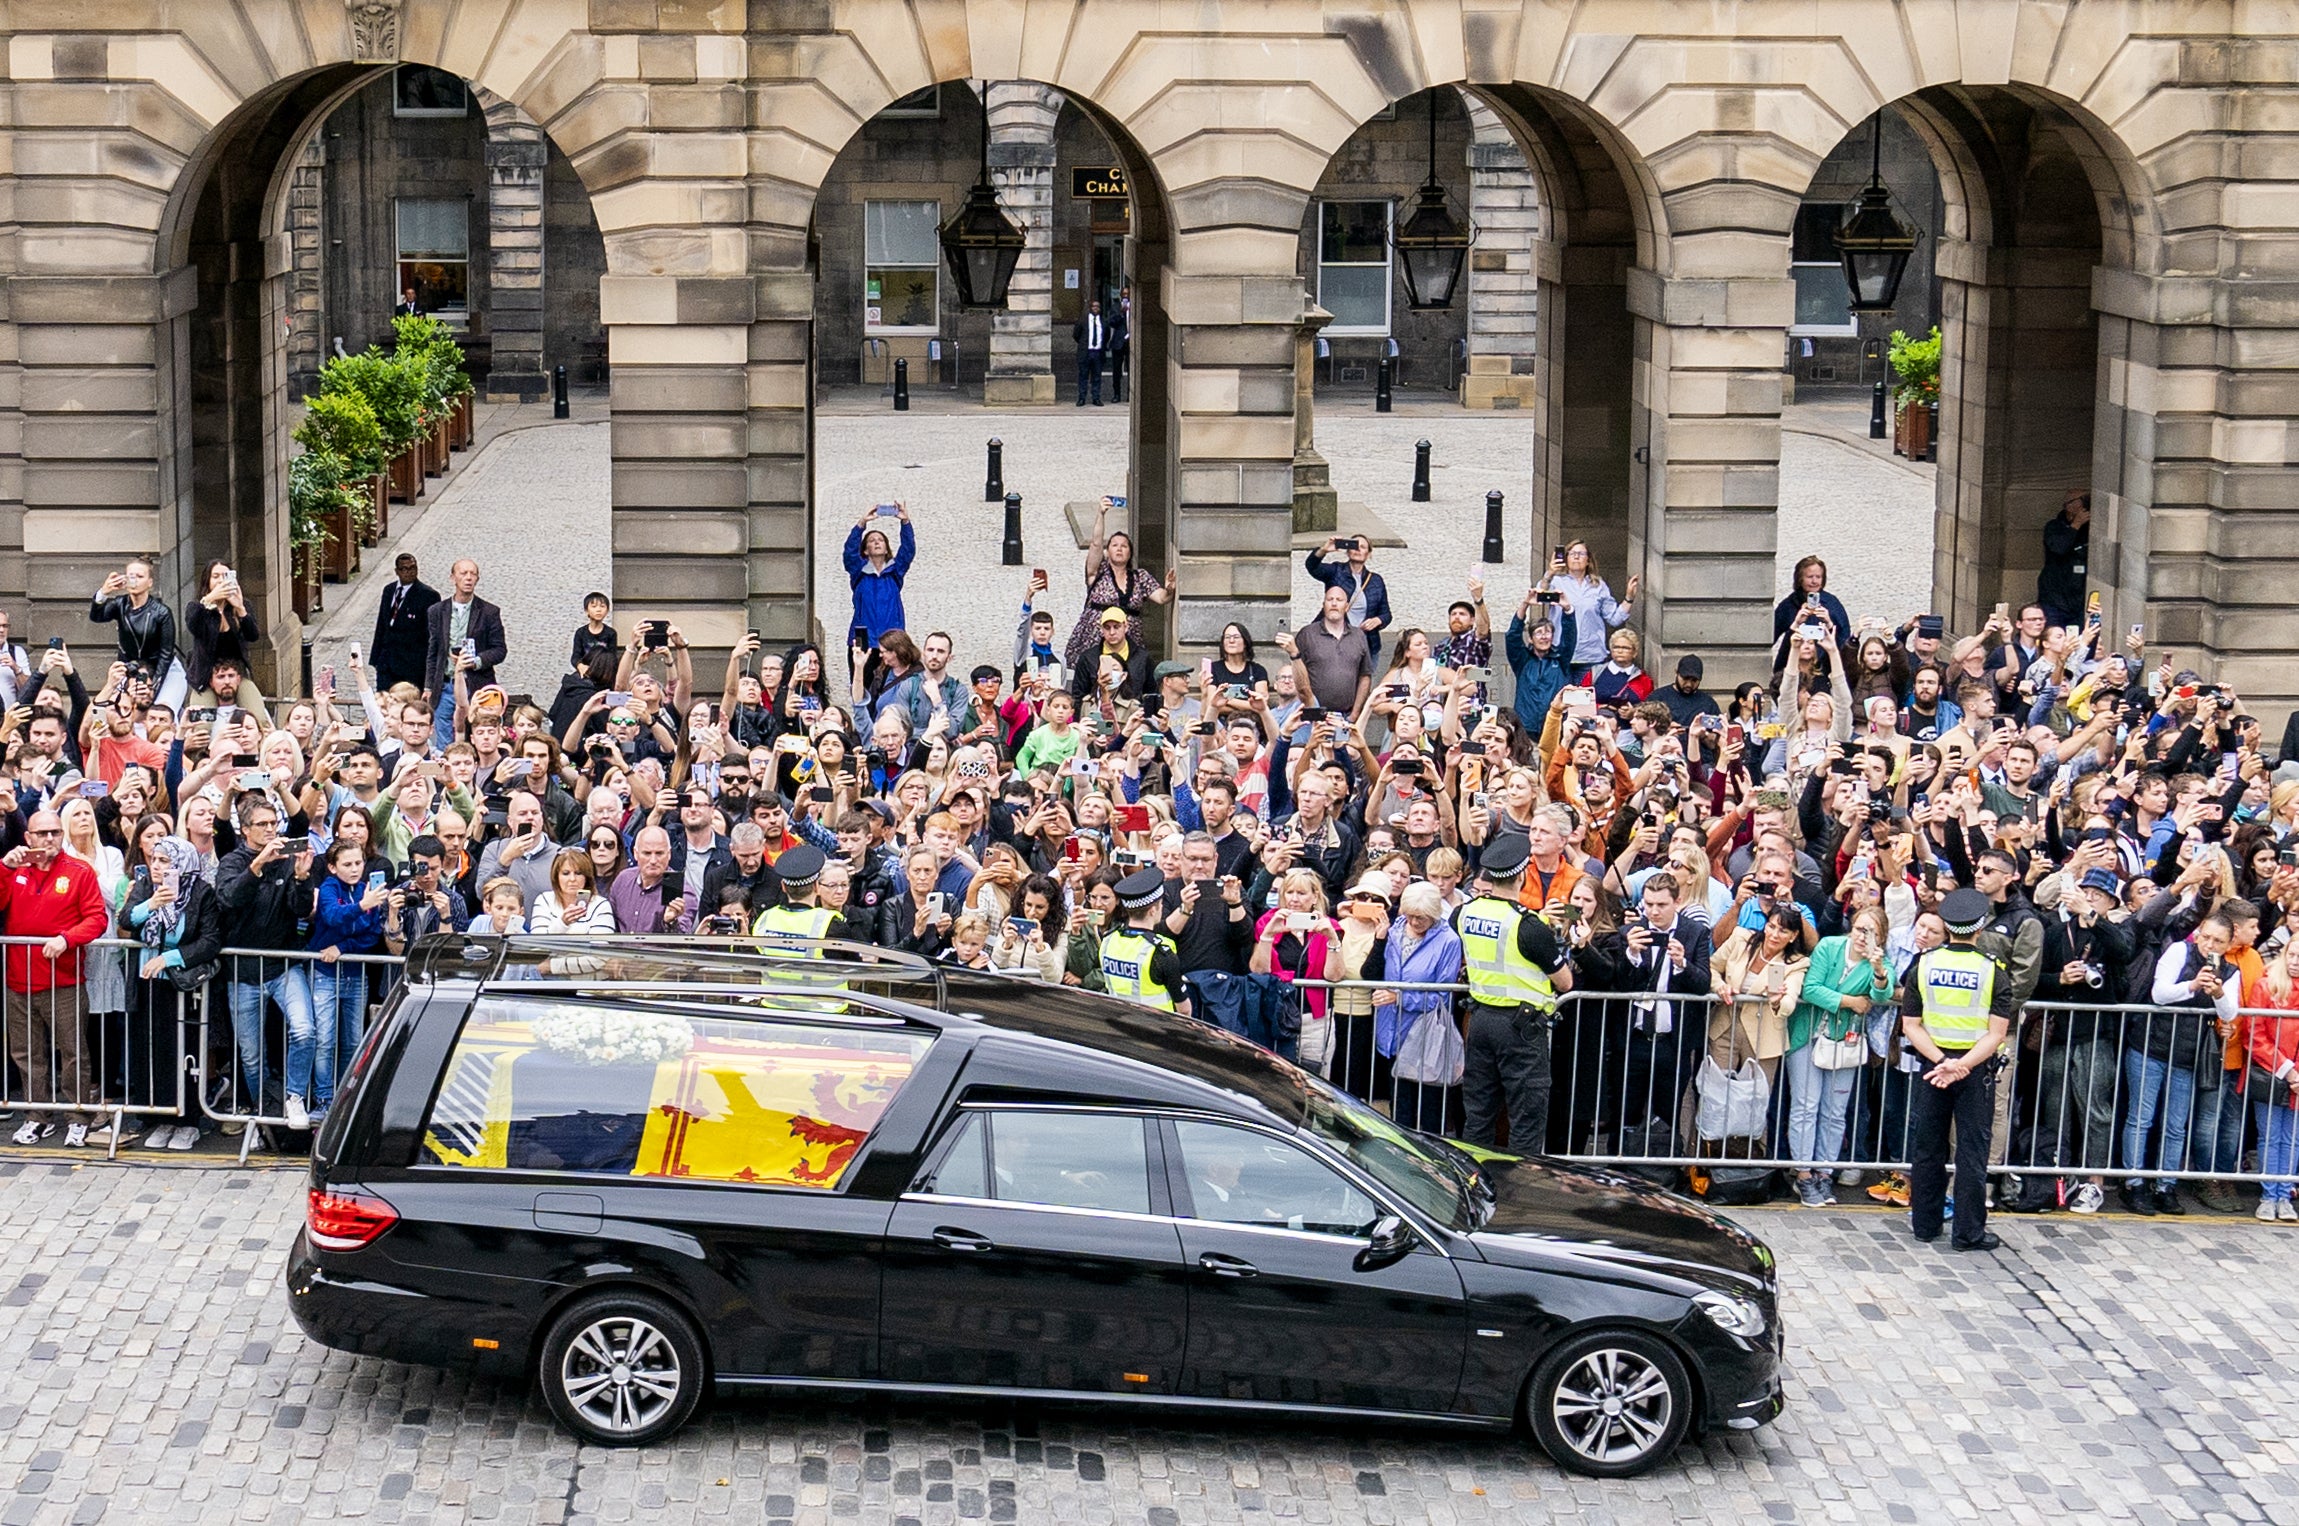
[[428, 348], [342, 424], [1916, 393], [319, 498], [392, 390]]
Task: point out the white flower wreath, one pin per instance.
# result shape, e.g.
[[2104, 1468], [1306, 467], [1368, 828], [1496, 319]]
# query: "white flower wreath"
[[599, 1036]]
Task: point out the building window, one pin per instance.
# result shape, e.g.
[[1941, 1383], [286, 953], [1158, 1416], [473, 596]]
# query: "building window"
[[1823, 303], [918, 103], [418, 90], [435, 255], [1353, 266], [901, 267]]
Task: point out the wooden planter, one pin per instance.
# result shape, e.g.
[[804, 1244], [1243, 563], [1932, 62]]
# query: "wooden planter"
[[466, 423], [1912, 430], [378, 509], [339, 558], [405, 475], [303, 574]]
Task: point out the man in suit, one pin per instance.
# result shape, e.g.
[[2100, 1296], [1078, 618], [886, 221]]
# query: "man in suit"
[[402, 627], [465, 631], [1669, 949], [406, 307], [1121, 343], [1092, 334]]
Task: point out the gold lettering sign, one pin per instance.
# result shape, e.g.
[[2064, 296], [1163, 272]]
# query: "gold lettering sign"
[[1098, 184]]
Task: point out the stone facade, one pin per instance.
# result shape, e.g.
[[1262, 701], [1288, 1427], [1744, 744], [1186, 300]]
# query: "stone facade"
[[2112, 231]]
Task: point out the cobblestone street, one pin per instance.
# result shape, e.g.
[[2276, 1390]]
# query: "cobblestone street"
[[2091, 1371]]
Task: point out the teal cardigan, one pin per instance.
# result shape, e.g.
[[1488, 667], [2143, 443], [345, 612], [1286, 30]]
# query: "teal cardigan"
[[1830, 977]]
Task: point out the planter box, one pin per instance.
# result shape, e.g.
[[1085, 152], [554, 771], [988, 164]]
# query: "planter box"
[[304, 583], [379, 508], [405, 475], [339, 558], [466, 423], [435, 448], [1912, 430]]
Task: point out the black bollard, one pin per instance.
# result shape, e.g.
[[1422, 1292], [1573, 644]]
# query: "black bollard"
[[1421, 472], [1493, 526], [1876, 414], [1381, 388], [1013, 555], [994, 486], [902, 386], [559, 392]]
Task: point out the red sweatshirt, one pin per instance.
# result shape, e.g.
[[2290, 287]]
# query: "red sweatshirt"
[[41, 903]]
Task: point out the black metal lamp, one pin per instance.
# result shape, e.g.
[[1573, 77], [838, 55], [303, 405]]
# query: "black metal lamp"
[[983, 244], [1872, 242], [1431, 243]]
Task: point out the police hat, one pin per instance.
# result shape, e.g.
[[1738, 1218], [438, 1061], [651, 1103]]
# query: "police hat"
[[1144, 888], [800, 867], [1505, 855], [1965, 910]]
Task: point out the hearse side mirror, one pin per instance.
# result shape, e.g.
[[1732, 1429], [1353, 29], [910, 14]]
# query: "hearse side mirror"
[[1390, 1243]]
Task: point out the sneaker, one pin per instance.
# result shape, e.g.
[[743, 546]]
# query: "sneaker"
[[103, 1136], [2285, 1213], [2088, 1197], [184, 1137], [31, 1131], [234, 1128], [2219, 1197], [1893, 1189], [2265, 1212], [75, 1135], [2167, 1199], [297, 1116], [1808, 1192], [2136, 1199], [1848, 1177]]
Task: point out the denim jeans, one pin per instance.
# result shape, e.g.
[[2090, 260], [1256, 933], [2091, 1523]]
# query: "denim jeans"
[[2154, 1088], [2218, 1127], [2278, 1134], [2076, 1076], [443, 716], [339, 1013], [1817, 1102], [292, 993]]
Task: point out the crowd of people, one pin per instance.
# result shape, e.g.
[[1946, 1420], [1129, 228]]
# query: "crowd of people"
[[1554, 902]]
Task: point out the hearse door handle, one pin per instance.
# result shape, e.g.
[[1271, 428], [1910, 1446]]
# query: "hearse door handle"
[[961, 1239], [1227, 1266]]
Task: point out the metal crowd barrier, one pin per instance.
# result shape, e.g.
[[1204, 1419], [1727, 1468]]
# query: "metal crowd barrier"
[[98, 1050], [2073, 1098], [276, 1019]]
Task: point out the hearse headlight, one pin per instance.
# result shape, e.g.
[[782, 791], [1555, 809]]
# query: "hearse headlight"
[[1735, 1316]]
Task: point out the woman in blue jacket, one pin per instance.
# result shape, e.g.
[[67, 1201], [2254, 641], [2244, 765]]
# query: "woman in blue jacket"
[[347, 920], [877, 573]]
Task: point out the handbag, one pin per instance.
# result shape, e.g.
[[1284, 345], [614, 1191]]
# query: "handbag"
[[1848, 1053], [2263, 1085], [1732, 1102], [189, 978], [1432, 1054]]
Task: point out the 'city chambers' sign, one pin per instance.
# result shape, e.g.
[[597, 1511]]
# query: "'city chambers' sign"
[[1098, 183]]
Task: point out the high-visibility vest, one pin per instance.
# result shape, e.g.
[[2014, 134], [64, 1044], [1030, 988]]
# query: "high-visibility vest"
[[1126, 967], [1499, 975], [1958, 986], [777, 924]]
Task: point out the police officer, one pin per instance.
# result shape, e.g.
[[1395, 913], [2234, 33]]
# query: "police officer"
[[799, 917], [1516, 968], [1139, 962], [1956, 1008]]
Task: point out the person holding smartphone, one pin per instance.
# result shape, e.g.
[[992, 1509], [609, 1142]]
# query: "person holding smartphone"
[[875, 571], [347, 918], [463, 633], [1368, 596]]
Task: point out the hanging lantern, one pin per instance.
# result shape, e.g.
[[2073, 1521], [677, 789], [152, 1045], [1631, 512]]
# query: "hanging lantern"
[[1431, 242], [1872, 242], [981, 243]]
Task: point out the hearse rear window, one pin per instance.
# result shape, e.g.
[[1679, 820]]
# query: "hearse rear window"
[[568, 1086]]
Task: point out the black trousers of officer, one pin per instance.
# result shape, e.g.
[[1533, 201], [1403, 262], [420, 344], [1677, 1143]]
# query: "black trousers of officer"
[[1506, 1066], [1969, 1105]]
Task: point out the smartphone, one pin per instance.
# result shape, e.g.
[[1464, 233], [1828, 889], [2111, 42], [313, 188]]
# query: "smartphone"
[[327, 678], [253, 778], [2091, 604], [1477, 675], [618, 697], [887, 511], [376, 881], [1038, 575], [1204, 728], [2003, 611], [470, 648], [2139, 630], [291, 846], [94, 789], [1301, 921], [1580, 703], [821, 794], [1556, 556], [857, 635], [658, 634], [1931, 627], [937, 902], [1022, 927], [1070, 849], [199, 717], [55, 643], [1118, 502], [519, 768]]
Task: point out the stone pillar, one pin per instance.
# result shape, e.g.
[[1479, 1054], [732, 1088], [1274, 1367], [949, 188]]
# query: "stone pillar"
[[517, 155], [1504, 305], [1315, 505], [307, 341], [1232, 360], [1023, 115], [1703, 525]]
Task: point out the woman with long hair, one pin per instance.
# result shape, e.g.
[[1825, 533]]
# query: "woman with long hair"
[[1113, 581], [994, 886], [2271, 1046], [1596, 613], [1295, 940], [573, 904], [1237, 678], [603, 846], [875, 570], [1844, 978], [103, 974], [1759, 979], [1588, 1052]]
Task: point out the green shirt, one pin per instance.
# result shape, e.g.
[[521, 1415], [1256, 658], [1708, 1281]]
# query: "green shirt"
[[1044, 748], [1828, 978]]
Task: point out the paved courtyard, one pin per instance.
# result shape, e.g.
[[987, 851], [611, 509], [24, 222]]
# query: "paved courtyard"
[[2090, 1371]]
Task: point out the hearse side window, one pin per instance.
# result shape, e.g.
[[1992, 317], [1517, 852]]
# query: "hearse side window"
[[569, 1086], [1053, 1160], [1237, 1176]]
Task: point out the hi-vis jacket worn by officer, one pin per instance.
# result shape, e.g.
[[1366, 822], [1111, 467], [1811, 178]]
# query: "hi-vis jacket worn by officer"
[[1129, 965], [1500, 974], [1957, 987]]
